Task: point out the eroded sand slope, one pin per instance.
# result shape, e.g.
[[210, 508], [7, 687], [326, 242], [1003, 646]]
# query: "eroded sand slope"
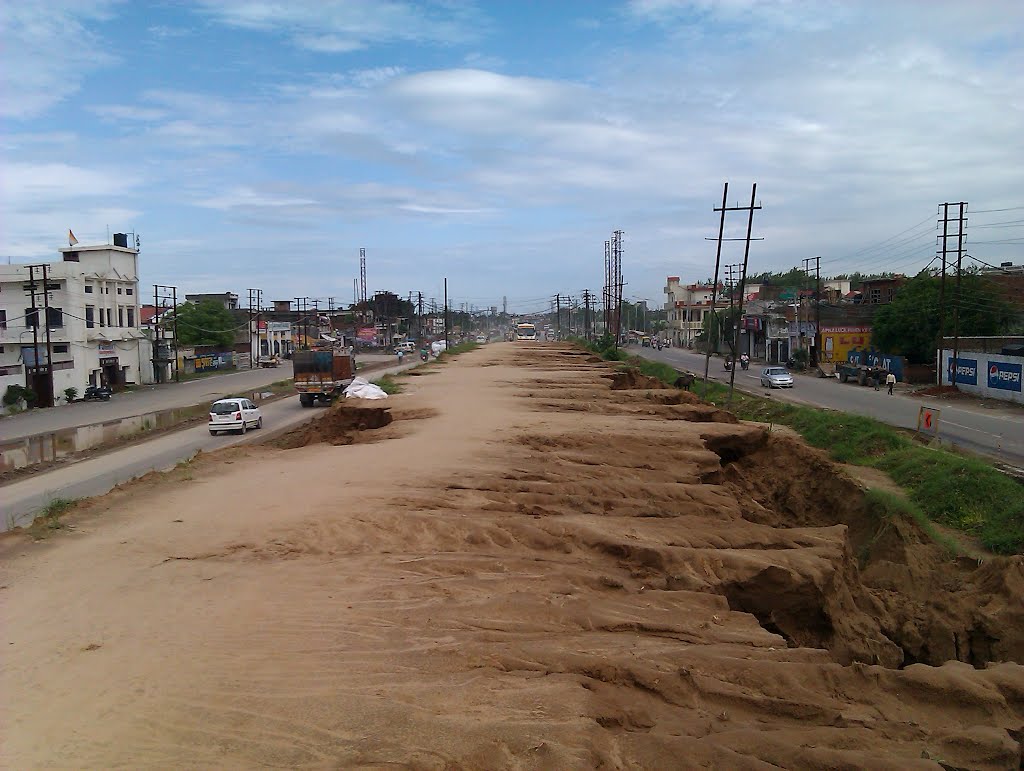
[[528, 568]]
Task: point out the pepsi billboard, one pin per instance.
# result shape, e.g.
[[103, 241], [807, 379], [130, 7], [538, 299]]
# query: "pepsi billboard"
[[966, 370], [1004, 375]]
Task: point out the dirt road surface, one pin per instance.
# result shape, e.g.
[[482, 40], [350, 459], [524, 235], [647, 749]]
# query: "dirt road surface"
[[524, 561]]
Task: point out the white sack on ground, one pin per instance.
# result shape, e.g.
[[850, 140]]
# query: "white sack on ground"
[[361, 388]]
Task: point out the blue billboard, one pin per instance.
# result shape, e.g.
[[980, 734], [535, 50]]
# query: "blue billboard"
[[1004, 375], [966, 370]]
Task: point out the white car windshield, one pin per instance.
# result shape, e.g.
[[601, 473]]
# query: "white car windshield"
[[777, 371], [223, 408]]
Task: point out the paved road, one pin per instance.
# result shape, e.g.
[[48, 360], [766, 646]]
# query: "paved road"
[[152, 399], [994, 431], [21, 501]]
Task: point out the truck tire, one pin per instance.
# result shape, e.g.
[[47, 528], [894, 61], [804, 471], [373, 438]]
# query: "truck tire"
[[862, 377], [306, 400], [843, 377]]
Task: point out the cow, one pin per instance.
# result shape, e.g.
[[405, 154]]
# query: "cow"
[[685, 380]]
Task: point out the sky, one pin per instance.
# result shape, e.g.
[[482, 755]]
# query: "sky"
[[261, 144]]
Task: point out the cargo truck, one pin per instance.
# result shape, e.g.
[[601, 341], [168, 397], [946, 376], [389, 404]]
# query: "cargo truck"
[[321, 374]]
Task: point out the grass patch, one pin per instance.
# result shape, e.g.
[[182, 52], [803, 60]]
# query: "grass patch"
[[50, 514], [965, 493], [889, 506], [455, 350], [389, 385]]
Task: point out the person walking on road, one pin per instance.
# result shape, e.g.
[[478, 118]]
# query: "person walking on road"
[[401, 355], [890, 380]]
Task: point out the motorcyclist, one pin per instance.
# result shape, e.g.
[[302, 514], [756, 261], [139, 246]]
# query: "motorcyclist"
[[744, 361]]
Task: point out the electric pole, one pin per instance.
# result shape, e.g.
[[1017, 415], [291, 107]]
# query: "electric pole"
[[714, 290], [956, 308], [815, 349]]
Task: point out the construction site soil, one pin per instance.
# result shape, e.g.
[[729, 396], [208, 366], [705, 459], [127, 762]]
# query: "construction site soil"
[[528, 560]]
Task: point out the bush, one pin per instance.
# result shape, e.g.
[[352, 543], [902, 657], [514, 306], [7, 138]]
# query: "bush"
[[70, 394], [16, 394]]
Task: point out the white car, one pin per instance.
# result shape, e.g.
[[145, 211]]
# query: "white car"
[[406, 347], [234, 414], [776, 377], [481, 339]]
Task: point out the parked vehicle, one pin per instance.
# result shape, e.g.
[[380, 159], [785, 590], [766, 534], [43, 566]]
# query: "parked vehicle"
[[268, 361], [406, 347], [776, 377], [481, 339], [321, 374], [861, 373], [97, 393], [234, 414]]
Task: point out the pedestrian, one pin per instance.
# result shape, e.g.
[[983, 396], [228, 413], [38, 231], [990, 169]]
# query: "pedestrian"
[[890, 380], [401, 355], [878, 380]]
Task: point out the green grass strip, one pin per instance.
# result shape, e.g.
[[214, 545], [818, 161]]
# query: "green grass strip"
[[962, 492]]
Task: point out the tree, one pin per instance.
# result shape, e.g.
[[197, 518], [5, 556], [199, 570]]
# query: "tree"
[[909, 325], [205, 323], [721, 327]]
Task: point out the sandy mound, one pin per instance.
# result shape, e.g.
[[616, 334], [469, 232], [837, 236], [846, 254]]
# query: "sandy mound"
[[510, 586], [340, 424]]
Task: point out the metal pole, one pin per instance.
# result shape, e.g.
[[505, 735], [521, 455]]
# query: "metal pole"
[[956, 308], [174, 305], [714, 289], [743, 283], [49, 346], [446, 314]]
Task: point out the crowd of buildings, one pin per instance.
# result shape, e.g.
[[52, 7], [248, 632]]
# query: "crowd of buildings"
[[83, 320]]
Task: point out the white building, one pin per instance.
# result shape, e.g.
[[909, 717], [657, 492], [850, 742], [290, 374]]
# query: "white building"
[[93, 322], [686, 307]]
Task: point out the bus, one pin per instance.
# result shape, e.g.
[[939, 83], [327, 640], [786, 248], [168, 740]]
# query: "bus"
[[526, 331]]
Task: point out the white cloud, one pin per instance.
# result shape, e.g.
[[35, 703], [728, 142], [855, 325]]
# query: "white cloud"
[[47, 51], [342, 26]]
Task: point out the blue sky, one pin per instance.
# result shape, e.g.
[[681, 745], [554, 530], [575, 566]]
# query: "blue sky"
[[261, 144]]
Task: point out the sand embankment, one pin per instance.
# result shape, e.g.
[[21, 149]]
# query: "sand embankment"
[[526, 568]]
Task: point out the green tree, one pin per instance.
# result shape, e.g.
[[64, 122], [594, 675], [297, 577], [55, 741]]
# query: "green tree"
[[909, 325], [721, 328], [206, 323]]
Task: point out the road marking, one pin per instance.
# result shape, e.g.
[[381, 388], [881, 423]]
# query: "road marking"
[[968, 428]]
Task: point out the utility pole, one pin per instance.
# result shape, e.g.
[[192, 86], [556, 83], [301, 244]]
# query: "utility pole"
[[558, 315], [42, 399], [956, 308], [946, 235], [362, 280], [419, 318], [607, 291], [586, 315], [162, 294], [743, 282], [714, 290], [815, 350], [255, 301], [446, 313]]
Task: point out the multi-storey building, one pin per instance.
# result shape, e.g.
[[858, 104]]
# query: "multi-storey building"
[[81, 329], [686, 307]]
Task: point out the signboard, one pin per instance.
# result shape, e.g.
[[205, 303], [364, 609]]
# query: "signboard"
[[279, 326], [106, 349], [928, 420], [366, 335], [1003, 375], [966, 370], [213, 361], [108, 361]]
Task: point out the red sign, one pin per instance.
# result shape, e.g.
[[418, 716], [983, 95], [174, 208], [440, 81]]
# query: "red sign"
[[366, 335]]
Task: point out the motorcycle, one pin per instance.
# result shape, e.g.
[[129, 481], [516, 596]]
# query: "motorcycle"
[[97, 393], [728, 365], [424, 356], [744, 363]]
